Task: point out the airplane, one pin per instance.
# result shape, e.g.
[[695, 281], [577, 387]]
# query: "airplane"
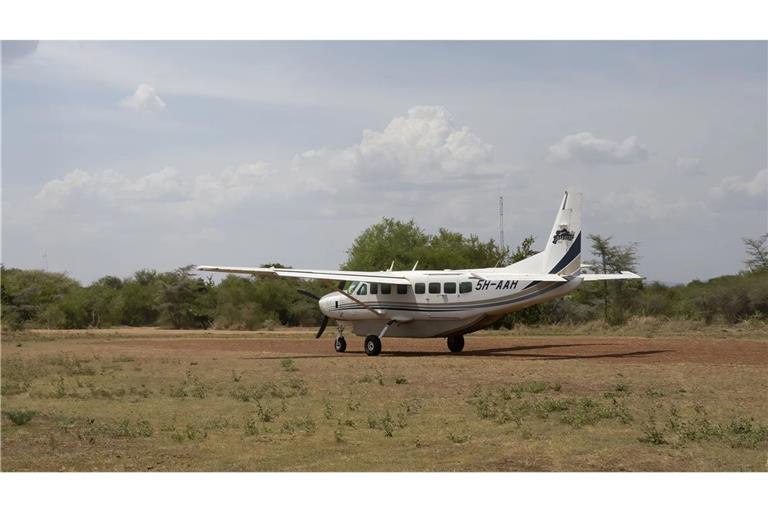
[[447, 303]]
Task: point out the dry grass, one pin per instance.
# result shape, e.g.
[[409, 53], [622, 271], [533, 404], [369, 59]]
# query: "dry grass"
[[145, 399], [648, 327]]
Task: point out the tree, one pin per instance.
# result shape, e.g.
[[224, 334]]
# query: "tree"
[[384, 242], [186, 301], [524, 250], [613, 259], [757, 253], [405, 243]]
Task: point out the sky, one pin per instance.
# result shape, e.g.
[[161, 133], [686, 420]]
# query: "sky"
[[118, 156]]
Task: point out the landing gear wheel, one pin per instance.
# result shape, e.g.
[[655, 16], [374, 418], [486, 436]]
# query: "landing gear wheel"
[[372, 345], [456, 343], [341, 344]]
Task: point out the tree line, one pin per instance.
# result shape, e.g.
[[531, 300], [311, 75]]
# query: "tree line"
[[181, 299]]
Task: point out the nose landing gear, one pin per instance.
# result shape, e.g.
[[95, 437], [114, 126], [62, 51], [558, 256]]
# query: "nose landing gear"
[[341, 344]]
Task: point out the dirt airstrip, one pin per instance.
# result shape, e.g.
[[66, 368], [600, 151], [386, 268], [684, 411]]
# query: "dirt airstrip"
[[143, 399]]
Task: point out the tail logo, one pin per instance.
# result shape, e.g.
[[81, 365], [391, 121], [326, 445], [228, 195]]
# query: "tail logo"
[[562, 234]]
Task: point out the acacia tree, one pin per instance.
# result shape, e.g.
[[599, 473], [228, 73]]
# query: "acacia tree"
[[757, 253], [610, 258]]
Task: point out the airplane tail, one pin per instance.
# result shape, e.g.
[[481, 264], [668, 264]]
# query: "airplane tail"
[[562, 254]]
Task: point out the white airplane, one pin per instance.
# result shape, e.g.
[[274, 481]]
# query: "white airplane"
[[447, 303]]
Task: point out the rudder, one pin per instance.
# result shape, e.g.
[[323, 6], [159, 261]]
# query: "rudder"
[[562, 254]]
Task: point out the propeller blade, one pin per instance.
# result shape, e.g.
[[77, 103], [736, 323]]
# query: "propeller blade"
[[308, 294], [322, 327]]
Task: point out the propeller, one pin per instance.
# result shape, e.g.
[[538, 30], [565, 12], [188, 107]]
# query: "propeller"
[[311, 295]]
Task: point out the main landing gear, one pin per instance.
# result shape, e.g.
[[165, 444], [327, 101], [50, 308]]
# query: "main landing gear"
[[372, 345], [456, 343]]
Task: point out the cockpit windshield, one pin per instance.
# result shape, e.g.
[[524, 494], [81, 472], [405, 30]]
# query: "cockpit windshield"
[[351, 287]]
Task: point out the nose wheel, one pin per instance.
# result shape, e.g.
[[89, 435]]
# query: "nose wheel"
[[456, 343], [341, 344], [372, 345]]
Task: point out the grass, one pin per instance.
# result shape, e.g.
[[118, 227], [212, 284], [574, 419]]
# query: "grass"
[[106, 401]]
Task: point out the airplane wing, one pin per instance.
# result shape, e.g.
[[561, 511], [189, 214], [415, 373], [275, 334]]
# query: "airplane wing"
[[327, 275], [496, 276], [610, 277]]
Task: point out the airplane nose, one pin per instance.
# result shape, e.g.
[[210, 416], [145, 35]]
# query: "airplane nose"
[[325, 304]]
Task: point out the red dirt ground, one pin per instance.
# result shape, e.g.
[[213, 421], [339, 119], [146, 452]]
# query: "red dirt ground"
[[604, 349]]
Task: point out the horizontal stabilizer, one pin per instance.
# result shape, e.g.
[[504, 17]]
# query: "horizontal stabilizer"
[[610, 277], [517, 276], [327, 275]]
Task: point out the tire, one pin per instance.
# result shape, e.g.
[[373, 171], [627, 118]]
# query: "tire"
[[341, 344], [372, 345], [456, 343]]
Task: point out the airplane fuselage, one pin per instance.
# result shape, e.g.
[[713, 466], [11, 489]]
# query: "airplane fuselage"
[[436, 304]]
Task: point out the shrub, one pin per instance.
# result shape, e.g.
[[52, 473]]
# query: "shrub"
[[20, 417]]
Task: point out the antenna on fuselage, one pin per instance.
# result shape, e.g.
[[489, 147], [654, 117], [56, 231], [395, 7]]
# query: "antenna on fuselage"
[[391, 266], [415, 265]]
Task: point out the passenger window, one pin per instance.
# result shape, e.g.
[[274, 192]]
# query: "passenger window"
[[386, 289], [402, 289], [419, 288], [465, 287], [374, 288], [363, 290], [449, 288], [434, 287]]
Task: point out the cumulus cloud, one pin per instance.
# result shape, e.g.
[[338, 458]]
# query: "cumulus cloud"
[[585, 148], [145, 99], [422, 148], [737, 192], [167, 189]]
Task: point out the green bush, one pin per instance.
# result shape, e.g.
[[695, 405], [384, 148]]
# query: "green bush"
[[20, 417]]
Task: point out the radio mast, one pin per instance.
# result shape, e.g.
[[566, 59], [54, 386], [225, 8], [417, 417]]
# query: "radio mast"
[[502, 247]]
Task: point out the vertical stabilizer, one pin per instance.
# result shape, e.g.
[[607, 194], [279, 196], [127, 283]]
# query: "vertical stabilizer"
[[562, 254]]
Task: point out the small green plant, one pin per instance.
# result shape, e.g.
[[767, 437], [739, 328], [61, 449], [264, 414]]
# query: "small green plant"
[[288, 365], [338, 434], [401, 380], [20, 417], [460, 437], [327, 409], [265, 414], [306, 424], [194, 432], [652, 434], [250, 427], [236, 377], [122, 359], [130, 429]]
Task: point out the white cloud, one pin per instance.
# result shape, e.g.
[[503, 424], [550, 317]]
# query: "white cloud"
[[167, 190], [688, 164], [735, 192], [422, 148], [145, 98], [587, 149]]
